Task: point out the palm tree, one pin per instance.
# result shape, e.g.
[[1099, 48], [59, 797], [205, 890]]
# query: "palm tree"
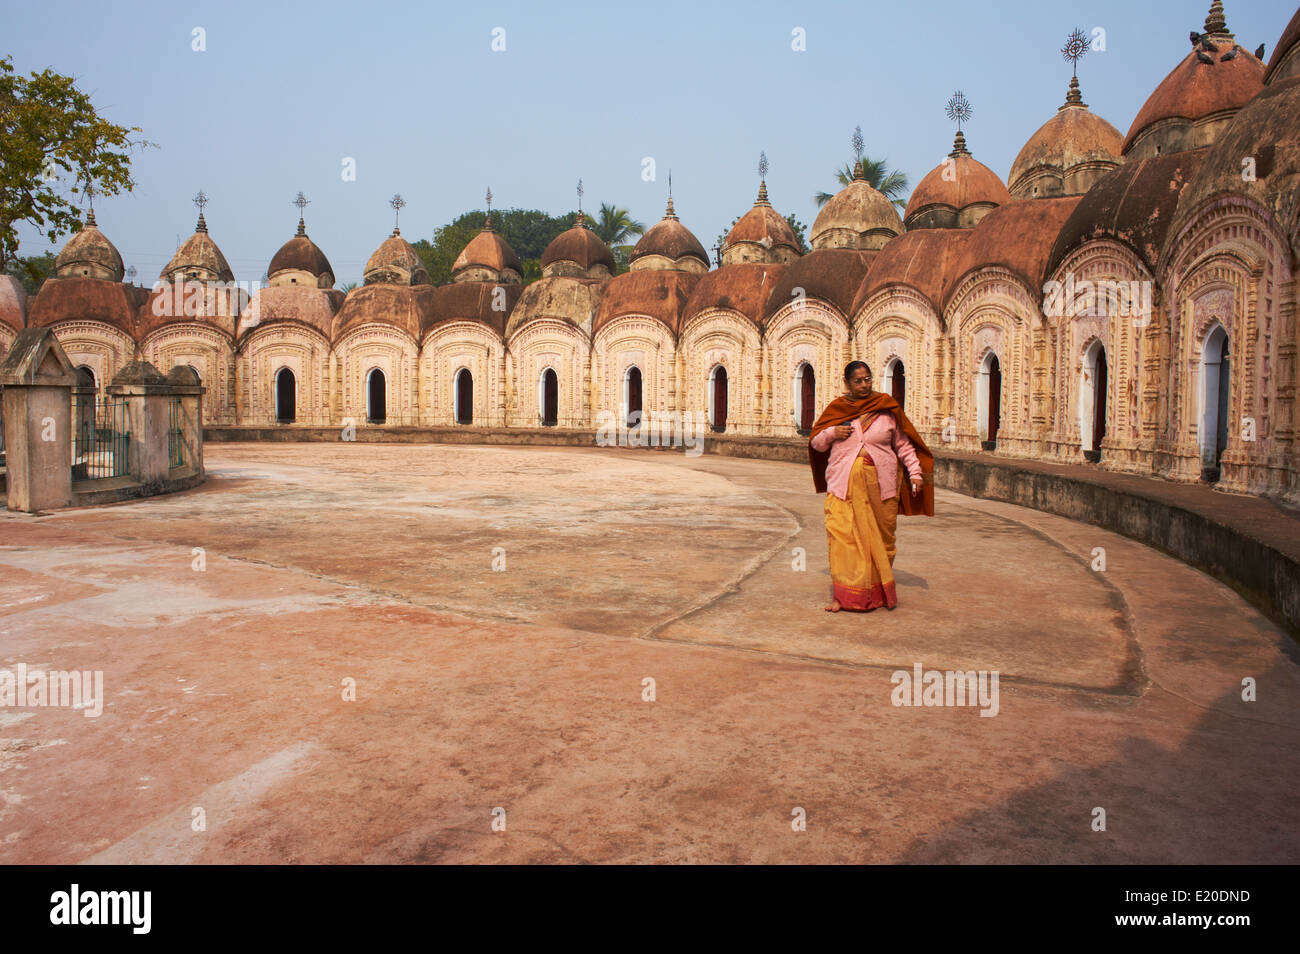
[[891, 183], [615, 226]]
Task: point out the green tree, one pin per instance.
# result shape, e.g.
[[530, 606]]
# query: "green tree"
[[615, 227], [891, 183], [32, 271], [800, 233], [54, 144]]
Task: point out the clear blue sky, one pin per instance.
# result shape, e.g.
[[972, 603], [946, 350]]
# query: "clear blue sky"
[[417, 96]]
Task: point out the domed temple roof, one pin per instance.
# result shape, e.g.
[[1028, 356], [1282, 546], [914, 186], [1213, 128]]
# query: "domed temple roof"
[[671, 240], [301, 254], [87, 299], [660, 293], [303, 304], [198, 257], [1285, 61], [923, 260], [1265, 130], [488, 250], [744, 287], [762, 225], [579, 245], [89, 254], [1073, 140], [407, 307], [829, 274], [564, 297], [491, 303], [1134, 205], [1018, 237], [395, 262], [1204, 84], [953, 190], [857, 216], [170, 302]]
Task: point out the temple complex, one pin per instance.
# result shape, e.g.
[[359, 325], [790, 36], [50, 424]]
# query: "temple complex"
[[1125, 299]]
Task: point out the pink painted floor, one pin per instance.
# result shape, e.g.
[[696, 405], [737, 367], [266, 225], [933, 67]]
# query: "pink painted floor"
[[522, 689]]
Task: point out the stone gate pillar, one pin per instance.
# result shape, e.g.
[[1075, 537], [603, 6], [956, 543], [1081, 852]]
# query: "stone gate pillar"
[[147, 397], [183, 382], [37, 380]]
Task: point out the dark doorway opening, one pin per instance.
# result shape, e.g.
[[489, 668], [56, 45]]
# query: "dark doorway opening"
[[633, 396], [719, 421], [1100, 374], [550, 398], [376, 397], [286, 397], [898, 384], [464, 397], [807, 398]]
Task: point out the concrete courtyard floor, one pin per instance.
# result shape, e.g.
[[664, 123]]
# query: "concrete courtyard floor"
[[521, 688]]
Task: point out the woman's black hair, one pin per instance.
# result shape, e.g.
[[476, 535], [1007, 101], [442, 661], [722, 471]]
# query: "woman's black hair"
[[853, 366]]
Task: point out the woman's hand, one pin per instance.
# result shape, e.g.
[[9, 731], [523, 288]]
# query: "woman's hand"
[[916, 485], [843, 431]]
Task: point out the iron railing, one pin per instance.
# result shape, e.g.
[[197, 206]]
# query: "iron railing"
[[101, 438], [175, 433]]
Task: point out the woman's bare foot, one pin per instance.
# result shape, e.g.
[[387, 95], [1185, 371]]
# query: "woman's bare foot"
[[835, 607]]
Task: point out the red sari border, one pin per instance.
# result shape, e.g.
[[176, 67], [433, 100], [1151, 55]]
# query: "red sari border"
[[852, 598]]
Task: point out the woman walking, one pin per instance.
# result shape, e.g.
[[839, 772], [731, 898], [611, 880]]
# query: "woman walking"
[[870, 462]]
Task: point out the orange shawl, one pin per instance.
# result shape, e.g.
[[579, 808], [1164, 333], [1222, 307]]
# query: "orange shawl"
[[844, 409]]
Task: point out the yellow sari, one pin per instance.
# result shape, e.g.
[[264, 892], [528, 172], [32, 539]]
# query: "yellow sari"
[[860, 534]]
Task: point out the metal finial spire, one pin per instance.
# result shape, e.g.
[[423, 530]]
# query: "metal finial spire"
[[959, 110], [201, 200], [301, 201], [858, 143], [762, 179], [90, 198], [1075, 49], [397, 202], [487, 225], [580, 219], [670, 212]]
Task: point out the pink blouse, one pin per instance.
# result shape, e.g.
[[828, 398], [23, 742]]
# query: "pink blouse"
[[886, 445]]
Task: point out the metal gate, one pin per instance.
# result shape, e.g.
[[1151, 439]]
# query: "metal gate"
[[101, 438], [175, 435]]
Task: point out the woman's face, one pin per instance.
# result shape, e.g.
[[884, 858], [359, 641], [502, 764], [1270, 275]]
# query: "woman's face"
[[860, 383]]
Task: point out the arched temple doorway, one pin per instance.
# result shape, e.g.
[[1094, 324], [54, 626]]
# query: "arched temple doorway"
[[896, 381], [376, 397], [805, 397], [1214, 401], [1093, 385], [286, 396], [989, 399], [549, 397], [718, 398], [463, 398], [632, 395]]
